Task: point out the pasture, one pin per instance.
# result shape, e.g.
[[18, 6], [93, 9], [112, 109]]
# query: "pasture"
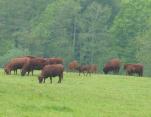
[[77, 96]]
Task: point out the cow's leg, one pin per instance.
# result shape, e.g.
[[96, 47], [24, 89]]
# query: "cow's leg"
[[131, 74], [90, 73], [84, 73], [51, 80], [139, 74], [59, 81], [61, 76], [28, 73], [117, 70], [44, 80], [16, 71], [114, 72], [79, 73], [87, 74], [32, 71], [128, 73]]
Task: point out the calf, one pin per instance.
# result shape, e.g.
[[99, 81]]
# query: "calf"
[[51, 71]]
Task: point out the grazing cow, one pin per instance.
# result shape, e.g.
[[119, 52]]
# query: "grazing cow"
[[88, 69], [112, 66], [73, 65], [82, 69], [54, 61], [93, 68], [8, 69], [15, 64], [134, 68], [51, 71], [33, 64]]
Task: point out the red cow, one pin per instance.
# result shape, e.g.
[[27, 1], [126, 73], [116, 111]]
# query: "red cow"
[[73, 65], [112, 66], [51, 71], [33, 64], [134, 68], [15, 64]]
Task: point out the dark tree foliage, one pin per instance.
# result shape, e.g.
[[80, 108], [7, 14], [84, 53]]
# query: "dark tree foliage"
[[90, 31]]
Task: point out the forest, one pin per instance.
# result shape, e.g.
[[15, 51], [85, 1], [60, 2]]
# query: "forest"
[[90, 31]]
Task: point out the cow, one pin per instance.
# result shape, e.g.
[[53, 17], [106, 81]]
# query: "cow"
[[73, 65], [54, 61], [112, 65], [33, 64], [93, 68], [15, 64], [134, 69], [82, 69], [87, 69], [51, 71]]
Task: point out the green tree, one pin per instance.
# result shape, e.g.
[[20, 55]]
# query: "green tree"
[[128, 24]]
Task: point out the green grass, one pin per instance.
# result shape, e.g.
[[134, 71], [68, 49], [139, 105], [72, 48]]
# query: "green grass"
[[93, 96]]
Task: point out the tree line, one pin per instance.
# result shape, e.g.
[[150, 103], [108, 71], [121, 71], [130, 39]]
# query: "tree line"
[[90, 31]]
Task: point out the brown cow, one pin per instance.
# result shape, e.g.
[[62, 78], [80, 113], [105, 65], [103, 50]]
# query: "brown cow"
[[33, 64], [51, 71], [93, 68], [15, 64], [134, 68], [73, 65], [54, 61], [112, 65], [82, 69], [88, 69]]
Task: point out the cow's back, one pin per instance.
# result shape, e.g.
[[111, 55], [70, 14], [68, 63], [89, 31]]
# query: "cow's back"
[[55, 61], [52, 70]]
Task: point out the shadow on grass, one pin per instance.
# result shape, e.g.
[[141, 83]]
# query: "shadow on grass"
[[61, 109]]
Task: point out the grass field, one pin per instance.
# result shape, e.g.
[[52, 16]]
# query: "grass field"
[[77, 96]]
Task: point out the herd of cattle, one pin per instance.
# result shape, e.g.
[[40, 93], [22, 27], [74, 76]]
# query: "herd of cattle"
[[51, 67]]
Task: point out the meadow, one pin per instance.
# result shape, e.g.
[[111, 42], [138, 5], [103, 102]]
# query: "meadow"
[[77, 96]]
